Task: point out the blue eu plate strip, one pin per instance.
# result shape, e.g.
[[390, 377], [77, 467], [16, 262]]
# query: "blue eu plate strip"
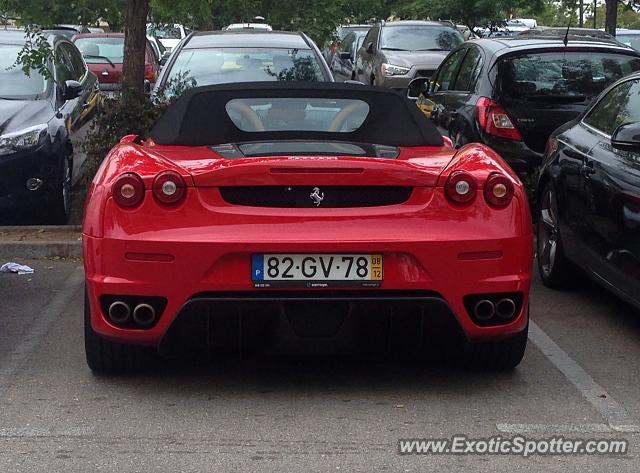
[[257, 267]]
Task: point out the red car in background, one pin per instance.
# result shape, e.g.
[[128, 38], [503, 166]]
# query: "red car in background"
[[305, 216], [104, 53]]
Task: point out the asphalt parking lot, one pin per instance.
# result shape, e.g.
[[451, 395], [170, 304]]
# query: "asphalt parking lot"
[[580, 379]]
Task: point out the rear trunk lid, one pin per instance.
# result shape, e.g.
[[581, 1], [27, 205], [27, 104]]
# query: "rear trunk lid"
[[537, 120], [283, 180], [106, 73]]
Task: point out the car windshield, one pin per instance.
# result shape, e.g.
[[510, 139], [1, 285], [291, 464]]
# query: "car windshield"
[[553, 76], [224, 65], [14, 84], [632, 40], [97, 50], [420, 38], [297, 114], [164, 32]]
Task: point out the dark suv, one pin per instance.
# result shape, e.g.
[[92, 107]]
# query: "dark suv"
[[393, 53], [512, 94]]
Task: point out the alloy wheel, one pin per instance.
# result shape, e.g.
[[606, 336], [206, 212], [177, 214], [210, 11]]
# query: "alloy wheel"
[[548, 232]]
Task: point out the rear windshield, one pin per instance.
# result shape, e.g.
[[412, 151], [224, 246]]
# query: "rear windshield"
[[297, 114], [98, 50], [573, 76], [164, 31], [420, 38], [226, 65]]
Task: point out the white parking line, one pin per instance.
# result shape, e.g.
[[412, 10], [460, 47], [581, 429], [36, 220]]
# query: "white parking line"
[[616, 417], [10, 364]]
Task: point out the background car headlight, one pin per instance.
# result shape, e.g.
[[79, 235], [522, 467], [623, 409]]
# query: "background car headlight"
[[22, 140], [391, 70]]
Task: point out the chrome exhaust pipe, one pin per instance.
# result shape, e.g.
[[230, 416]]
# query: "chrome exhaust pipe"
[[144, 315], [484, 310], [119, 312], [506, 308]]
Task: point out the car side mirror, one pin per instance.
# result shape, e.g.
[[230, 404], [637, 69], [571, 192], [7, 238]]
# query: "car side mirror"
[[72, 89], [370, 47], [418, 87], [627, 137], [345, 55]]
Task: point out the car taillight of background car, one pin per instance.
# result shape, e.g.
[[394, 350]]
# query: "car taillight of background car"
[[494, 120]]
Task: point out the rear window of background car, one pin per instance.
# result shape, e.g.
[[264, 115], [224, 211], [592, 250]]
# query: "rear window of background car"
[[577, 76], [110, 48]]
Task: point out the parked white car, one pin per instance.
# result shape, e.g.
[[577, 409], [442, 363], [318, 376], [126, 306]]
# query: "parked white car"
[[249, 26], [169, 35]]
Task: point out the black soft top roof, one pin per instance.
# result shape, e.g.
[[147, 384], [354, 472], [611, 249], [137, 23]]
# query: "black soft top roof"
[[199, 116]]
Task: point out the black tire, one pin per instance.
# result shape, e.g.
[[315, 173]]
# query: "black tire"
[[553, 265], [502, 355], [60, 198], [107, 357]]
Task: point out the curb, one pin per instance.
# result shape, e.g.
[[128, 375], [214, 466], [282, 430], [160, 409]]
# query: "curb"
[[41, 250], [36, 249]]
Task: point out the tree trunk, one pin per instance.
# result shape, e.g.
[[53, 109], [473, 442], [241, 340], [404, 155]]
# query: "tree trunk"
[[135, 40], [612, 17]]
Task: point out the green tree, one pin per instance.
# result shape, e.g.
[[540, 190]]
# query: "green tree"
[[611, 15], [471, 13]]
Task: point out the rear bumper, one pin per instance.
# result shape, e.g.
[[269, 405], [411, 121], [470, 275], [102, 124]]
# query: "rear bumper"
[[450, 269], [517, 154]]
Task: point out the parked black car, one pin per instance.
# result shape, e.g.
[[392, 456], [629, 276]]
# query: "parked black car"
[[343, 65], [512, 94], [341, 33], [39, 119], [589, 194], [395, 52]]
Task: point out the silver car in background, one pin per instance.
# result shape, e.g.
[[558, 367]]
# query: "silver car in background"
[[394, 53]]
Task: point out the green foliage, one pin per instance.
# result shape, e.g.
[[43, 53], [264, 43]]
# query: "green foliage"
[[54, 12], [130, 113], [36, 54], [117, 118], [627, 17]]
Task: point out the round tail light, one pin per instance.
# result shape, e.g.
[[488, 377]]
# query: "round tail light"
[[128, 190], [461, 187], [169, 187], [498, 190]]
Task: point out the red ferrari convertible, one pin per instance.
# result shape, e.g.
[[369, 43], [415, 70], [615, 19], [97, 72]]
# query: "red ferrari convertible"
[[296, 216]]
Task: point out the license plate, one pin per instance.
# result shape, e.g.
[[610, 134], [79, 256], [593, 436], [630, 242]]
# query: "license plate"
[[111, 95], [316, 270]]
